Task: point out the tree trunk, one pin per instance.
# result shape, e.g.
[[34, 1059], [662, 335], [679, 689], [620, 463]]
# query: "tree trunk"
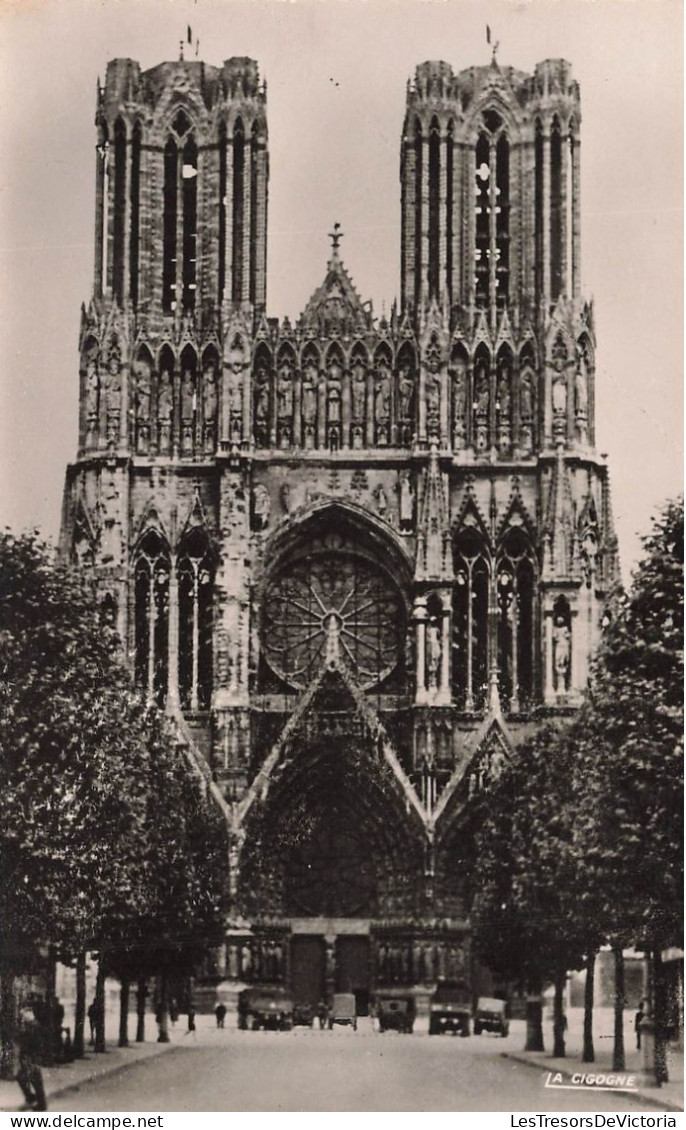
[[8, 1025], [80, 1006], [163, 1010], [534, 1023], [588, 1055], [124, 1013], [660, 1021], [559, 1014], [100, 1006], [618, 1057], [50, 1036], [141, 994]]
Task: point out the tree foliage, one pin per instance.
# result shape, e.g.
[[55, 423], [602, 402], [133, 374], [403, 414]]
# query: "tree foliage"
[[106, 837]]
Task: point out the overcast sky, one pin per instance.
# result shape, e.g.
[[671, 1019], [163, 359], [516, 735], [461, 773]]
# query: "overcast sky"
[[336, 73]]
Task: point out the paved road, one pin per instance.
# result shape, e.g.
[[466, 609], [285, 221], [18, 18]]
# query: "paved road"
[[341, 1070]]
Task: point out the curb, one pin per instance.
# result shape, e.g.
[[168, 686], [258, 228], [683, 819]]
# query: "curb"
[[106, 1072], [649, 1100]]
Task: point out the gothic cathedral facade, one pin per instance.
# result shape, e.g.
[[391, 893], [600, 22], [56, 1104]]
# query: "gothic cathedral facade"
[[356, 559]]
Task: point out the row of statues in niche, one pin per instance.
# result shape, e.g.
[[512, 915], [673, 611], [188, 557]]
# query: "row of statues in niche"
[[255, 960], [407, 963], [501, 412], [169, 412], [561, 390], [334, 407]]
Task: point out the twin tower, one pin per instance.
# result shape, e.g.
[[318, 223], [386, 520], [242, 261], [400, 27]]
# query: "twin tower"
[[348, 533]]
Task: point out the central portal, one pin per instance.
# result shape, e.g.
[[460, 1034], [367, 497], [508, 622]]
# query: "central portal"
[[353, 970]]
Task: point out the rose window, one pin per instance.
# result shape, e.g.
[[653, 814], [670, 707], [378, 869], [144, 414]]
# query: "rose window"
[[333, 596]]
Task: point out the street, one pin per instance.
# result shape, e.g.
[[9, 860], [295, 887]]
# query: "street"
[[309, 1070]]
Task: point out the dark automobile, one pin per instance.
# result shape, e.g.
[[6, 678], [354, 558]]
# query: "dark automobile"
[[303, 1014], [343, 1010], [450, 1008], [490, 1016], [395, 1010], [265, 1006]]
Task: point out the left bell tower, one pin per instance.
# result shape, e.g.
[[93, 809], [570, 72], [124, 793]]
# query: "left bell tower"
[[179, 286]]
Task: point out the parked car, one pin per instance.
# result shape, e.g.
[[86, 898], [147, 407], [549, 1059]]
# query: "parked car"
[[343, 1010], [450, 1008], [490, 1016], [395, 1009], [303, 1014], [265, 1006]]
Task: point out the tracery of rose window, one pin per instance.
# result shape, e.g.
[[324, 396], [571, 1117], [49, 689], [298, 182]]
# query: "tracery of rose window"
[[328, 594]]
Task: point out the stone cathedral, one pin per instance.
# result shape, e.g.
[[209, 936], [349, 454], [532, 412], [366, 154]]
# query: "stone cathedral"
[[355, 558]]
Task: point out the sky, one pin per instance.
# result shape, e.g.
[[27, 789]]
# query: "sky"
[[336, 74]]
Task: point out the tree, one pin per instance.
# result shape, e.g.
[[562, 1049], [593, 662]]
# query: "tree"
[[107, 839], [525, 917], [629, 740]]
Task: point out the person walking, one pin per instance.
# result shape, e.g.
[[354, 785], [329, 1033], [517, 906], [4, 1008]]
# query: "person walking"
[[220, 1014], [29, 1074]]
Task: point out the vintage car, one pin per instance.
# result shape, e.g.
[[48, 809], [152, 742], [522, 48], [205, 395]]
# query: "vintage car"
[[303, 1014], [490, 1016], [265, 1006], [450, 1008], [395, 1009], [343, 1010]]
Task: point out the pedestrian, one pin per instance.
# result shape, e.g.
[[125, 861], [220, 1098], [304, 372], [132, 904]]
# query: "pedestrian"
[[322, 1013], [191, 1018], [638, 1020], [29, 1075], [220, 1014], [92, 1019]]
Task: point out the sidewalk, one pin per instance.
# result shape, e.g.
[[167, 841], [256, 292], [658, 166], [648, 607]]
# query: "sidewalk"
[[668, 1097], [71, 1076]]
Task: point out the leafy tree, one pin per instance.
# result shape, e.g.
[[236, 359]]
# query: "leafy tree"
[[525, 920], [629, 741], [107, 840]]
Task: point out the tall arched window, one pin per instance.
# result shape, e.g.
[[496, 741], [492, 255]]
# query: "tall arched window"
[[556, 207], [434, 206], [195, 581], [134, 219], [515, 580], [492, 212], [222, 211], [169, 228], [238, 218], [538, 205], [470, 620], [418, 216], [119, 216], [189, 181], [151, 616]]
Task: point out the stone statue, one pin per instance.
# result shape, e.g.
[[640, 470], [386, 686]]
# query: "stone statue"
[[559, 386], [405, 392], [433, 651], [382, 399], [381, 500], [581, 387], [481, 391], [406, 503], [187, 395], [359, 391], [165, 398], [143, 391], [113, 388], [92, 390], [561, 652], [261, 507], [503, 393], [286, 498], [525, 395], [210, 394], [285, 393]]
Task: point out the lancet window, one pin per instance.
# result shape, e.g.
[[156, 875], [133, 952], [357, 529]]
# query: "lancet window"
[[119, 214], [151, 616], [470, 620], [180, 191], [492, 213], [515, 589], [195, 573]]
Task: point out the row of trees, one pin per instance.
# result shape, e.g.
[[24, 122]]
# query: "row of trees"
[[108, 841], [580, 840]]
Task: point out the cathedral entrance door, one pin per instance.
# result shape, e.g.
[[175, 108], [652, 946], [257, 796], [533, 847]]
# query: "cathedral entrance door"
[[353, 973], [308, 969]]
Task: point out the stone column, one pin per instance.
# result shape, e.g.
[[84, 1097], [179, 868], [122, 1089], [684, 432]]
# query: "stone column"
[[173, 643], [443, 696], [420, 616]]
